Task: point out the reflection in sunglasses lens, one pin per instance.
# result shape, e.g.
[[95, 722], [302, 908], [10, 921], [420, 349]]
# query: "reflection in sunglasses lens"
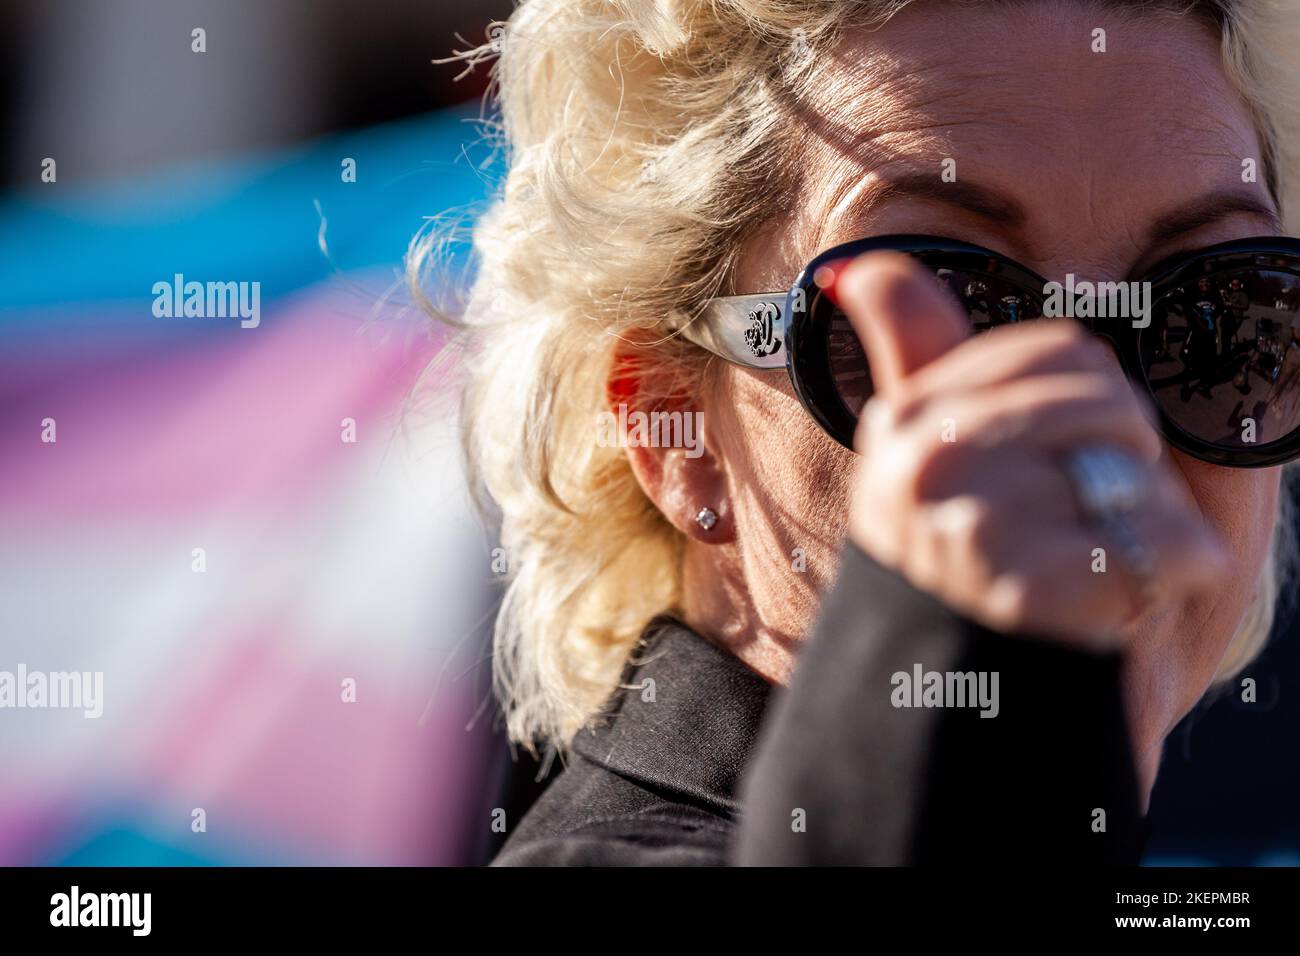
[[989, 300], [1222, 358], [848, 364]]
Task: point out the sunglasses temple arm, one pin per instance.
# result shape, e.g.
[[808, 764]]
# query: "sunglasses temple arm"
[[747, 330]]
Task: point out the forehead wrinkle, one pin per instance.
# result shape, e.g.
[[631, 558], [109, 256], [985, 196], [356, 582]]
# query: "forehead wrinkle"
[[876, 133], [873, 77], [839, 177], [876, 102], [855, 111], [910, 136]]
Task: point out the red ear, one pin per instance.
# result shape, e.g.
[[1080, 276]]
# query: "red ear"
[[639, 377], [624, 380]]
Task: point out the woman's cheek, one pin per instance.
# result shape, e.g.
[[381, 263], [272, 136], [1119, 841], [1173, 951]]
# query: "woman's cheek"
[[790, 479], [1176, 653], [1242, 505]]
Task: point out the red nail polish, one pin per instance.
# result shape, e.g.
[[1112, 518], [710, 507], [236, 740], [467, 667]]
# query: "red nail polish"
[[827, 275]]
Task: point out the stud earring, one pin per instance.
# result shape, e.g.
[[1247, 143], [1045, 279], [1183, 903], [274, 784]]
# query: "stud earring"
[[706, 519]]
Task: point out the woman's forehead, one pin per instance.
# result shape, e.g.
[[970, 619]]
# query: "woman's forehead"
[[1014, 110]]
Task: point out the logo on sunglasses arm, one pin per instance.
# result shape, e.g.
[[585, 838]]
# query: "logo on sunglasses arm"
[[761, 334]]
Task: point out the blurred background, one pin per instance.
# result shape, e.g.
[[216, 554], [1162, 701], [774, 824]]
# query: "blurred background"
[[202, 531]]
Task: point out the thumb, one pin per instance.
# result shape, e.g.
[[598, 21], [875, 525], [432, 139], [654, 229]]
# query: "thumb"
[[902, 317]]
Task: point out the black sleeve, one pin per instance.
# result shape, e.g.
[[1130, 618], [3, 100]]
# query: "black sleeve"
[[621, 842], [843, 776]]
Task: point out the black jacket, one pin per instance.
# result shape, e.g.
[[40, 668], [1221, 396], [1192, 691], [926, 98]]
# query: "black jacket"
[[702, 762]]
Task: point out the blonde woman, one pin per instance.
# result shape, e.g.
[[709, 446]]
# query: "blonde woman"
[[942, 573]]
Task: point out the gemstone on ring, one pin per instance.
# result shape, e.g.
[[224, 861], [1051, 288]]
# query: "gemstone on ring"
[[1106, 480], [1109, 485]]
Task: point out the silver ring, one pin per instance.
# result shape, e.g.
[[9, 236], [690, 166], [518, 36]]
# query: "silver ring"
[[1107, 481], [1109, 484]]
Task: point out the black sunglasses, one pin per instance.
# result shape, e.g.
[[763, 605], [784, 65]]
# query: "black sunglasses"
[[1211, 335]]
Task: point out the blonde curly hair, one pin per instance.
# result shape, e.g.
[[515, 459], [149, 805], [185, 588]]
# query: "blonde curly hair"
[[645, 143]]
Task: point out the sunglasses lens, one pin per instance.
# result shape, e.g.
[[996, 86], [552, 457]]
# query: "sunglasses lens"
[[848, 365], [1220, 357], [989, 300]]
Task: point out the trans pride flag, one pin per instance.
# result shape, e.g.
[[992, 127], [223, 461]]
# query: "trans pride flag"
[[258, 535]]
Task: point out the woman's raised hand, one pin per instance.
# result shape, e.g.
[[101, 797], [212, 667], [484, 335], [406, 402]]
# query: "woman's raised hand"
[[962, 486]]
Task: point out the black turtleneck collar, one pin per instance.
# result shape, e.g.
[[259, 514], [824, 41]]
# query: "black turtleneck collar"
[[684, 719]]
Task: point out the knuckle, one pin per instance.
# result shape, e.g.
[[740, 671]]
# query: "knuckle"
[[1074, 347], [937, 465], [1011, 599], [880, 419], [911, 472], [1093, 350], [1132, 425], [876, 427], [907, 404], [1061, 330], [1059, 344], [956, 517], [893, 468], [984, 530], [905, 458], [970, 526]]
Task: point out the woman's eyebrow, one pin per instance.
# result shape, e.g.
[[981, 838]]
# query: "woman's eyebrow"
[[981, 201], [1209, 209], [1006, 212]]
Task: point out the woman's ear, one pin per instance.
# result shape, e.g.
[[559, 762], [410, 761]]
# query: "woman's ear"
[[662, 433], [691, 492]]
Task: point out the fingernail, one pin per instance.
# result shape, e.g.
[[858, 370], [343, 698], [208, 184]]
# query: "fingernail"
[[827, 276]]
